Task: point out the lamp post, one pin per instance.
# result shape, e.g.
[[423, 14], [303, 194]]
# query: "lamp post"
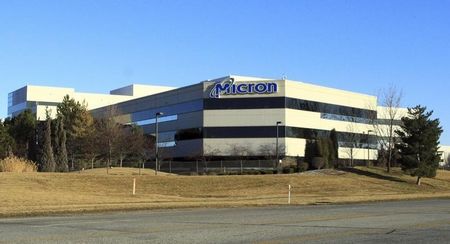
[[277, 162], [368, 147], [156, 141]]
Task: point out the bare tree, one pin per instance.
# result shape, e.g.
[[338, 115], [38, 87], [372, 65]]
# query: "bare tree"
[[165, 154], [143, 146], [351, 141], [124, 146], [239, 151], [385, 125], [110, 131], [91, 143], [268, 151], [210, 152]]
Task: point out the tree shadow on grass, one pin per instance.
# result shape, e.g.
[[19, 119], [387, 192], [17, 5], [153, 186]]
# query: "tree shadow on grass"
[[373, 175]]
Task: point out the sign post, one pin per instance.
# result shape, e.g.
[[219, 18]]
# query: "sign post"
[[289, 195]]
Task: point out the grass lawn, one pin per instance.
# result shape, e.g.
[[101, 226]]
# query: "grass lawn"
[[94, 190]]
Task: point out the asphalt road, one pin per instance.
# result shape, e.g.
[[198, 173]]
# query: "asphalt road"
[[425, 221]]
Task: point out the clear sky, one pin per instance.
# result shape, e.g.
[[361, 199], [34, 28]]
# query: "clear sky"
[[361, 45]]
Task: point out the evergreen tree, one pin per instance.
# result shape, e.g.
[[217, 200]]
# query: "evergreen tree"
[[47, 158], [22, 129], [61, 154], [310, 151], [334, 148], [323, 148], [76, 120], [6, 141], [419, 144]]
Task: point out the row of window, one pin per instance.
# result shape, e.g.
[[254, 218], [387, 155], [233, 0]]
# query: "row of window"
[[388, 121], [328, 111], [16, 97], [345, 138], [292, 103], [153, 121], [345, 118], [10, 99], [359, 120], [149, 115]]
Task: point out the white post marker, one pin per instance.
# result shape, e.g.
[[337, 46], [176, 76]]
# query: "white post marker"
[[289, 195], [134, 186]]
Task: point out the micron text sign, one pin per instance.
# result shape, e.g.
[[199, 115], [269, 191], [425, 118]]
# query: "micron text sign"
[[230, 87]]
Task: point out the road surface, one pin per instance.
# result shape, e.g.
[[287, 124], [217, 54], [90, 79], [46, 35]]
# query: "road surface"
[[426, 221]]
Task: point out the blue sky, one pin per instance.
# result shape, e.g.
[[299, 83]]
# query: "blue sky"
[[361, 45]]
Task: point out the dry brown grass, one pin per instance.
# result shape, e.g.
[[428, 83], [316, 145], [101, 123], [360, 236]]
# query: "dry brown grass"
[[18, 165], [43, 193]]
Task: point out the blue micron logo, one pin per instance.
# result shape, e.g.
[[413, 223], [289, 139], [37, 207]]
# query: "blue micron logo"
[[228, 87]]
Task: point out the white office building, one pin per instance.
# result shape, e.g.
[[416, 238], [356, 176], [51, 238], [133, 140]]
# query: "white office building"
[[232, 115], [41, 98]]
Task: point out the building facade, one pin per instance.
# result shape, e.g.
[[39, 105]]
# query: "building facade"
[[243, 116], [40, 99]]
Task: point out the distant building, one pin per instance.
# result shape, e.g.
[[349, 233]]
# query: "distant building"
[[40, 98], [445, 156]]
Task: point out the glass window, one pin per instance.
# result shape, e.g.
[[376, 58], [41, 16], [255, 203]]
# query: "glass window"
[[345, 118], [153, 121], [175, 109], [244, 103], [388, 121], [18, 96], [287, 102], [329, 108], [167, 144], [286, 131], [10, 99], [188, 134]]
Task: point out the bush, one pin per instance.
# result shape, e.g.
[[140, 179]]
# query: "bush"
[[15, 164], [318, 162], [303, 166], [288, 170]]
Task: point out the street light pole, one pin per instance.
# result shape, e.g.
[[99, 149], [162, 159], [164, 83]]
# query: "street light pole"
[[156, 141], [277, 162]]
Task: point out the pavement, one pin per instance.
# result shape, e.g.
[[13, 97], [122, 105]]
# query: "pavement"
[[424, 221]]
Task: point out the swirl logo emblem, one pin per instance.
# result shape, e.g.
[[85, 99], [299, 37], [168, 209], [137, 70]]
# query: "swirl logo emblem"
[[229, 87]]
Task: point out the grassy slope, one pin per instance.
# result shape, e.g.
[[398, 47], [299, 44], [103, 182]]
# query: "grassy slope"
[[39, 193]]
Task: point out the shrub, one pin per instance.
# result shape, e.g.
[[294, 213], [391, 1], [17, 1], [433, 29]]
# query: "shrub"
[[288, 170], [15, 164], [303, 166], [318, 162]]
